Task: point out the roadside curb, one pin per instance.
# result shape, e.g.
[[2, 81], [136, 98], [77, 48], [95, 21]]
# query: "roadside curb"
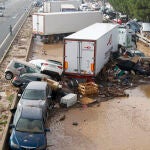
[[4, 142], [7, 50]]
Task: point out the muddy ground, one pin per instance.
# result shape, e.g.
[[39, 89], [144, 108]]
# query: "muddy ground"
[[117, 124]]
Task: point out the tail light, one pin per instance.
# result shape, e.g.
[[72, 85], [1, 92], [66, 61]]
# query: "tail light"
[[66, 65], [15, 78], [60, 67], [92, 67], [46, 64]]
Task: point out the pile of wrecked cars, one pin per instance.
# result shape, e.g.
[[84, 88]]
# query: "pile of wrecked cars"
[[98, 69]]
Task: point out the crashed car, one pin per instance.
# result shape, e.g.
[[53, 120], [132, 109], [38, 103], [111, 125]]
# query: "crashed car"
[[28, 130], [17, 67], [129, 65], [132, 53], [37, 94], [23, 80], [50, 67]]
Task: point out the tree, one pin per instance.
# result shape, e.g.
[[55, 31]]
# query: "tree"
[[139, 9]]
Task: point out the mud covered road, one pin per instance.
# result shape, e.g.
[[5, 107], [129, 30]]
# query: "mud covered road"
[[117, 124]]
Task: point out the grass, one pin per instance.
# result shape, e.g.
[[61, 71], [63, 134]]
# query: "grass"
[[10, 98], [2, 122]]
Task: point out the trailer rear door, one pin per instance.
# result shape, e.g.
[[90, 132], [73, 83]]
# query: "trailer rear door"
[[38, 24], [79, 57]]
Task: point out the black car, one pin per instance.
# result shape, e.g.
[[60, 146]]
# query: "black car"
[[23, 80], [128, 65]]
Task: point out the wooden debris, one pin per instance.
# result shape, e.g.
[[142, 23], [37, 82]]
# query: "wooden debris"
[[86, 100], [88, 88]]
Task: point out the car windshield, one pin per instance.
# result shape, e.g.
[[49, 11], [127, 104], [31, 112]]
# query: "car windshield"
[[32, 94], [29, 125]]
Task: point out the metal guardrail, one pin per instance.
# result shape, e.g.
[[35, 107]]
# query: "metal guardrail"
[[6, 134], [15, 30]]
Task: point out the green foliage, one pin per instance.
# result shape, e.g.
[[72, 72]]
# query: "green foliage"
[[10, 98], [139, 9]]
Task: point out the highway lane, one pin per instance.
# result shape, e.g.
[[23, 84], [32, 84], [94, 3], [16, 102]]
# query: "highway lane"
[[14, 10]]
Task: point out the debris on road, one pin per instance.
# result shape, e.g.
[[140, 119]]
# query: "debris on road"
[[69, 99], [86, 100], [75, 123], [88, 88]]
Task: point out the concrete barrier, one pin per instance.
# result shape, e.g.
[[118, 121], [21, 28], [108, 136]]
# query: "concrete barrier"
[[4, 142]]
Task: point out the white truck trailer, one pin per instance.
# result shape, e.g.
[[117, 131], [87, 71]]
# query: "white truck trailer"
[[86, 51], [63, 22], [68, 8], [55, 6]]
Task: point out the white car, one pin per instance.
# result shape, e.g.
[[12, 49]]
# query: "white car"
[[50, 67]]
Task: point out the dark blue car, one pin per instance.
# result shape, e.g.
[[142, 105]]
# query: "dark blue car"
[[28, 130]]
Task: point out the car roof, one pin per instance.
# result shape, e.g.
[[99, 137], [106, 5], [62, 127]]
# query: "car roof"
[[40, 75], [37, 85], [31, 112], [37, 61], [23, 62], [136, 51]]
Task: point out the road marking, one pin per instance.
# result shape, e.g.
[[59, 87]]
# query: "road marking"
[[15, 16]]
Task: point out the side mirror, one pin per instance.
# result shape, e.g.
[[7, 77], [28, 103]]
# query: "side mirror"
[[11, 126], [19, 95], [47, 130]]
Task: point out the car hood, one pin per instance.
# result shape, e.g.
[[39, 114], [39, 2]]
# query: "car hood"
[[27, 139], [32, 103]]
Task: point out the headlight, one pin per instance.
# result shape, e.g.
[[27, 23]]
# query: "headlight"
[[14, 145]]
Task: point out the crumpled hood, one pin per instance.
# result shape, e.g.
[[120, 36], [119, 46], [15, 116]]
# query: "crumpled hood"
[[28, 139]]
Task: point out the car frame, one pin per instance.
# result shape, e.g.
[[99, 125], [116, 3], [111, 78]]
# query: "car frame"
[[28, 129], [37, 94], [23, 80], [50, 67], [132, 53], [17, 67]]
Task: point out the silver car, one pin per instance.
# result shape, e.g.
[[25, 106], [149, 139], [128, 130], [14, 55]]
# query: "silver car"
[[37, 94], [17, 67]]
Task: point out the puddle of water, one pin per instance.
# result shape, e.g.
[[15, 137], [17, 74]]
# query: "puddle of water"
[[146, 90], [53, 51], [120, 124]]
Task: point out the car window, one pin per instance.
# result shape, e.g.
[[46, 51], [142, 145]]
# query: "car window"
[[129, 54], [16, 117], [29, 125], [29, 70], [18, 65], [32, 94]]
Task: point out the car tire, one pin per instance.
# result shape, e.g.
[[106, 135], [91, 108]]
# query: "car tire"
[[8, 75]]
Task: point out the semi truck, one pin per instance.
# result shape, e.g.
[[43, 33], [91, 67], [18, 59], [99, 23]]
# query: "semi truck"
[[63, 22], [88, 50], [55, 6]]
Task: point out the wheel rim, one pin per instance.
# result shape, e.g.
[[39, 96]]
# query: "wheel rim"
[[8, 76]]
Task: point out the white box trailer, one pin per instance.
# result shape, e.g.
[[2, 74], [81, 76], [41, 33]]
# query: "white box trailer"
[[63, 22], [55, 6], [86, 51]]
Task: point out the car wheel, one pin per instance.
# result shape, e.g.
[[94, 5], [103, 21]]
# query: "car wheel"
[[8, 75]]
